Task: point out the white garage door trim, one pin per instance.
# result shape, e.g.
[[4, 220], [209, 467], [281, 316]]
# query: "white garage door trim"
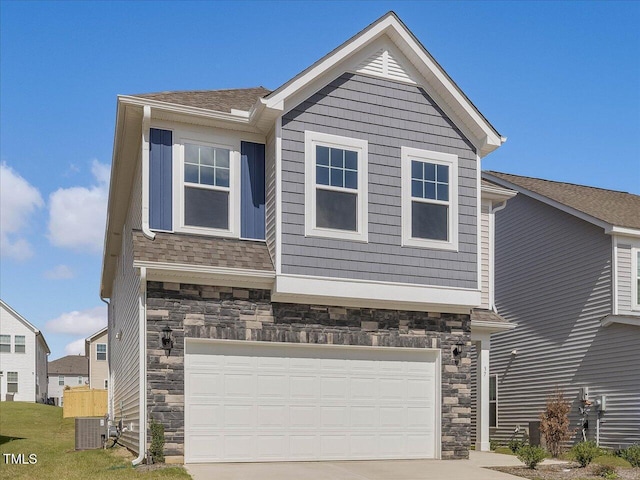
[[413, 422]]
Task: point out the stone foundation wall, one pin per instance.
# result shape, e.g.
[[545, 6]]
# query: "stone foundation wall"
[[197, 311]]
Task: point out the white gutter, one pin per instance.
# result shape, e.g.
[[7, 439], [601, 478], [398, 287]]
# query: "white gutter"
[[146, 122], [142, 349]]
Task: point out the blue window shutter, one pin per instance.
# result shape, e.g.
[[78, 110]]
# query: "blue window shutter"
[[252, 198], [160, 173]]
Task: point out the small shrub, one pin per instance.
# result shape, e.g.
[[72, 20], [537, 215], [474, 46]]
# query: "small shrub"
[[606, 471], [554, 422], [531, 455], [493, 444], [157, 442], [515, 445], [585, 452], [632, 455]]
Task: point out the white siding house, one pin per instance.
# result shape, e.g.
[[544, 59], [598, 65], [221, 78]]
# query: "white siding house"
[[23, 358], [70, 371], [96, 348]]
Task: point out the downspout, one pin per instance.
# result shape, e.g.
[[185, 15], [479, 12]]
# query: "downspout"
[[146, 122], [142, 333], [492, 240]]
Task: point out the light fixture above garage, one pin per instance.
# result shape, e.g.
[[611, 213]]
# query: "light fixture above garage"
[[457, 351], [167, 340]]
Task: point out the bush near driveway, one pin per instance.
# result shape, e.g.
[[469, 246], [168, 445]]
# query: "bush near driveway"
[[30, 428], [585, 452], [530, 455]]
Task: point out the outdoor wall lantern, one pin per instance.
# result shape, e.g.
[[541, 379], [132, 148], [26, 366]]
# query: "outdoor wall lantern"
[[457, 351], [167, 340]]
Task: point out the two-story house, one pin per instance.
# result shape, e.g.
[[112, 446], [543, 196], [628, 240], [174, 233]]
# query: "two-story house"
[[96, 347], [299, 274], [23, 358], [67, 372], [567, 267]]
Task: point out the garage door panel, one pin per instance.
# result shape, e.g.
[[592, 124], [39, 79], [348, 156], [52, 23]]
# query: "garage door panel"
[[274, 402]]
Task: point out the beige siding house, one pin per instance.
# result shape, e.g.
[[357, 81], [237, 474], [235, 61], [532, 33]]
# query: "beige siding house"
[[96, 349]]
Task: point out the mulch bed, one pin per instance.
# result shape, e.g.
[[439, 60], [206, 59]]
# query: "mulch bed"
[[571, 471]]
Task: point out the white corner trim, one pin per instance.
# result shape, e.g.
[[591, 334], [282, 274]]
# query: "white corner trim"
[[407, 155], [479, 229], [620, 319], [146, 124], [614, 274], [635, 304], [311, 140], [373, 294], [278, 219]]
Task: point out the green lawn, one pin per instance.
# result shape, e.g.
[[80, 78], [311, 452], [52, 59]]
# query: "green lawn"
[[29, 428]]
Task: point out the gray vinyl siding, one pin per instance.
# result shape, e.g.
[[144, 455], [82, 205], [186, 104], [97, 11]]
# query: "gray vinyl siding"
[[125, 353], [553, 279], [485, 252], [270, 181], [626, 278], [388, 115]]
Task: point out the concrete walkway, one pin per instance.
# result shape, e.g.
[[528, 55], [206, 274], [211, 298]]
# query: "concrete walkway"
[[362, 470]]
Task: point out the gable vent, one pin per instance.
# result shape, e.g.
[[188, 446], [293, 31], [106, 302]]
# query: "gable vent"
[[383, 64]]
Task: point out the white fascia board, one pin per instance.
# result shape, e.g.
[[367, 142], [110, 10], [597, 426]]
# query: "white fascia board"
[[480, 327], [234, 117], [206, 275], [371, 294], [97, 334], [623, 232], [497, 193], [621, 319], [608, 228], [19, 317], [489, 140]]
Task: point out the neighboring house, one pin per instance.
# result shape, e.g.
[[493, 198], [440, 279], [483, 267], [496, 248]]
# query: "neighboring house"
[[96, 347], [568, 274], [300, 274], [69, 371], [23, 358]]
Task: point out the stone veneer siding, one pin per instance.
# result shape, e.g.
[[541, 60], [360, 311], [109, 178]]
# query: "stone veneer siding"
[[197, 311]]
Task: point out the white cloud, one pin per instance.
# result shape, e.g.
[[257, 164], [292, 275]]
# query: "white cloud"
[[75, 348], [18, 201], [77, 215], [59, 272], [83, 322]]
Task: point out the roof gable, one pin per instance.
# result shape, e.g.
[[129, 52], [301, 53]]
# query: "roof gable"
[[396, 54], [606, 208]]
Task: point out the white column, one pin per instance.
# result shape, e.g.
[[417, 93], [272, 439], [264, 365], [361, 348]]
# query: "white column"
[[483, 344]]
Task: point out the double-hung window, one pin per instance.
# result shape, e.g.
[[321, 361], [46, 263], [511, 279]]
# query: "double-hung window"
[[19, 344], [207, 187], [12, 382], [5, 343], [493, 401], [60, 380], [429, 199], [101, 351], [335, 186]]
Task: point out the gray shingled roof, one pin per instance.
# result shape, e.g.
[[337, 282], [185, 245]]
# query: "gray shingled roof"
[[482, 315], [70, 365], [200, 250], [620, 209], [218, 100]]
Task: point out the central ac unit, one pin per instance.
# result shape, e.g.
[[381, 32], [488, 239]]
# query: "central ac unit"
[[91, 433]]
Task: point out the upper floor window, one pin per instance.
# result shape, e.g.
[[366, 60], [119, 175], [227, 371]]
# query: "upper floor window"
[[429, 199], [101, 351], [12, 382], [206, 186], [80, 380], [60, 380], [335, 186], [5, 343], [19, 344]]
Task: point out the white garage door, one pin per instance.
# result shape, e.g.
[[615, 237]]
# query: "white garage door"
[[250, 402]]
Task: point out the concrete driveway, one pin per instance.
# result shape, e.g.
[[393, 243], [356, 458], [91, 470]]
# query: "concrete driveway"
[[357, 470]]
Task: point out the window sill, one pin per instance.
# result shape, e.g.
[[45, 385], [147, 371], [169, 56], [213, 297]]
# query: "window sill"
[[211, 232], [429, 244], [337, 234]]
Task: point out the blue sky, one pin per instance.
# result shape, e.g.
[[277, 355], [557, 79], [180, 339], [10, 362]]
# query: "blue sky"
[[560, 80]]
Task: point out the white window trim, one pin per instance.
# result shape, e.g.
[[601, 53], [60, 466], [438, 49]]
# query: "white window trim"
[[16, 344], [179, 185], [311, 139], [634, 279], [439, 158], [59, 378], [9, 344], [105, 352]]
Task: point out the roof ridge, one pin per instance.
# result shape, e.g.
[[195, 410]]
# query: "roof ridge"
[[164, 92], [560, 182]]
